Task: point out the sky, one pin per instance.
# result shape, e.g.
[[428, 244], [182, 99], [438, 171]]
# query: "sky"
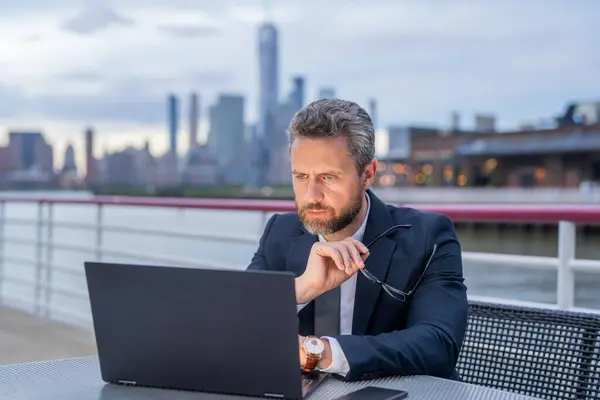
[[69, 64]]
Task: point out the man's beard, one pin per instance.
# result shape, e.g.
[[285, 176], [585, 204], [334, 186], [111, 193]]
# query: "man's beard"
[[334, 224]]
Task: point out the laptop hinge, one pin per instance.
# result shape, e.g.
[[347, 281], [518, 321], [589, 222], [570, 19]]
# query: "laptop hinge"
[[278, 395]]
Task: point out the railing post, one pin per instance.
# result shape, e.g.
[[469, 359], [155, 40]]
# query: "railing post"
[[48, 263], [99, 232], [39, 255], [566, 253], [2, 223]]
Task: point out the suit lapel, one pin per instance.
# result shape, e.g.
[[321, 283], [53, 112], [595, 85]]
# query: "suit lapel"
[[381, 252], [298, 252], [296, 259]]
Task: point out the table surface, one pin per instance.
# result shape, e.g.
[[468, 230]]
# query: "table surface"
[[79, 378]]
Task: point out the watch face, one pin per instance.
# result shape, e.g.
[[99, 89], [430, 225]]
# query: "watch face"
[[314, 345]]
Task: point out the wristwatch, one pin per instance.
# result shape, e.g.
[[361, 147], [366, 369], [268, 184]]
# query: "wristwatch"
[[313, 349]]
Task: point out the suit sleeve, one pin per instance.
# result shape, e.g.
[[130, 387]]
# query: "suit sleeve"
[[259, 260], [436, 322]]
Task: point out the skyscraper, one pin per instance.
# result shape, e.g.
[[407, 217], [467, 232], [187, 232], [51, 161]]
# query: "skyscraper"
[[269, 74], [173, 114], [297, 94], [194, 116], [69, 162], [373, 112], [226, 138], [90, 163]]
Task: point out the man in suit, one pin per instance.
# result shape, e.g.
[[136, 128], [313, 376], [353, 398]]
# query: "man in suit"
[[397, 307]]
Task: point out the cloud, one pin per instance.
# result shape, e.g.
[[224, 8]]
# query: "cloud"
[[109, 107], [79, 76], [421, 60], [188, 31], [93, 18], [32, 38], [139, 99]]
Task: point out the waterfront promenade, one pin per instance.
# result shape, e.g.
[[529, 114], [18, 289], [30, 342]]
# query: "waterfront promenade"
[[44, 243], [25, 338]]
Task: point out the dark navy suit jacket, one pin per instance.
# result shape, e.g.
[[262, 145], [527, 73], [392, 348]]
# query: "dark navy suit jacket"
[[422, 335]]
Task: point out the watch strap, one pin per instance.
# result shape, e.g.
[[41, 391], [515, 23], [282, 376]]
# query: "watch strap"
[[310, 362]]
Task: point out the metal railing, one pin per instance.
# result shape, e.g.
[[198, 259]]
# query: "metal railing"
[[46, 245]]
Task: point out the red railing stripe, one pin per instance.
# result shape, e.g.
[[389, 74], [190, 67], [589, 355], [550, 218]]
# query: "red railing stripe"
[[548, 213]]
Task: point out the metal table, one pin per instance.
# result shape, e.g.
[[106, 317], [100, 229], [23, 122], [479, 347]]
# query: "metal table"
[[79, 378]]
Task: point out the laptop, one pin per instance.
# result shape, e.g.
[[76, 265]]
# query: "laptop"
[[209, 330]]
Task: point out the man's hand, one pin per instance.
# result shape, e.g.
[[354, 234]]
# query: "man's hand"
[[329, 265]]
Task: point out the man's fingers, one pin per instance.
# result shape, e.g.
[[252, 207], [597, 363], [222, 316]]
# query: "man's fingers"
[[356, 258], [347, 259], [335, 255], [346, 255], [362, 249]]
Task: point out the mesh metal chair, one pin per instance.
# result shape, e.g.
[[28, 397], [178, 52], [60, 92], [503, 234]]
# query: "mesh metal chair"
[[542, 353]]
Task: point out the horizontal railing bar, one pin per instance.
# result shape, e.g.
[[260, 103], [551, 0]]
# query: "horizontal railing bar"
[[60, 290], [225, 204], [19, 240], [55, 267], [71, 247], [20, 260], [54, 245], [20, 221], [585, 265], [67, 270], [512, 260], [250, 239], [67, 292], [19, 281], [88, 249], [72, 225], [519, 213], [170, 259]]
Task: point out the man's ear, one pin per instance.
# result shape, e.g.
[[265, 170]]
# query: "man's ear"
[[369, 173]]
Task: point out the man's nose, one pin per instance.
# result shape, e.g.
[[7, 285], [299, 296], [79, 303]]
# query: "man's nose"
[[313, 193]]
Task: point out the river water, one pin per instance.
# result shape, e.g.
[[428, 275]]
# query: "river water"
[[505, 282]]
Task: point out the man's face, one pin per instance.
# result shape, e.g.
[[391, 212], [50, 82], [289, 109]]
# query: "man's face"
[[327, 187]]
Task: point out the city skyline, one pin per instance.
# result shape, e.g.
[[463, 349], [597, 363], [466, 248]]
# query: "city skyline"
[[71, 64]]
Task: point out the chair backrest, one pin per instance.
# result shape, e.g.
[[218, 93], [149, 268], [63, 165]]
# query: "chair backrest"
[[537, 352]]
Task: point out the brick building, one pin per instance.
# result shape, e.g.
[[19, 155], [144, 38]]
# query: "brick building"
[[562, 157]]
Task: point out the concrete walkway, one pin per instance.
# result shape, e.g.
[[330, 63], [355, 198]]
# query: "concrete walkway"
[[25, 338]]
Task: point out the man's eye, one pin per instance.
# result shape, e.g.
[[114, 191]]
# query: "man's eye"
[[329, 177]]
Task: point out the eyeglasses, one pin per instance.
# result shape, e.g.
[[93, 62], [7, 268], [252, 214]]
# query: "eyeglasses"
[[395, 293]]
